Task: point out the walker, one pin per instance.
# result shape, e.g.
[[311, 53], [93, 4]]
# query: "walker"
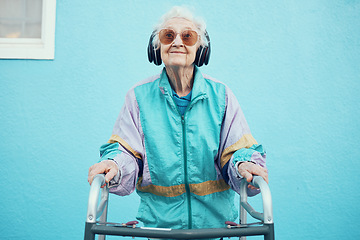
[[101, 227]]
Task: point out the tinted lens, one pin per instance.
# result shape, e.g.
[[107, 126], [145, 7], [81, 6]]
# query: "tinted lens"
[[167, 36], [189, 37]]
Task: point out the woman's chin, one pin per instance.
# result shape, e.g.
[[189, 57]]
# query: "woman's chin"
[[178, 64]]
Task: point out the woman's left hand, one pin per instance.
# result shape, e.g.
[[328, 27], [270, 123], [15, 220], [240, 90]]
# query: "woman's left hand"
[[248, 169]]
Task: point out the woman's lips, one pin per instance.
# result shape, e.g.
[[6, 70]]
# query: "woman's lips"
[[177, 52]]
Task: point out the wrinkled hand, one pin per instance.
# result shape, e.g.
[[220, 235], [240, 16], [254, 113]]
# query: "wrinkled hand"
[[248, 169], [108, 167]]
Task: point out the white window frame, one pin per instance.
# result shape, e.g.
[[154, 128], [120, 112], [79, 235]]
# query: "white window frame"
[[34, 48]]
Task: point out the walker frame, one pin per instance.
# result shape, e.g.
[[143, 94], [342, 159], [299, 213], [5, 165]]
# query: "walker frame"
[[102, 227]]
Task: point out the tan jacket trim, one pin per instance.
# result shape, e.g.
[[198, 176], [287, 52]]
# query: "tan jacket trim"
[[246, 141], [116, 138], [172, 191], [200, 189], [209, 187]]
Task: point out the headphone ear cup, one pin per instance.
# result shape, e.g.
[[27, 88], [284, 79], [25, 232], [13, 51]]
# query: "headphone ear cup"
[[157, 59], [203, 53], [198, 59], [207, 54], [149, 49], [153, 51]]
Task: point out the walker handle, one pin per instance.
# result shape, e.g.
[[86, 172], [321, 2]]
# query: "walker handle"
[[94, 211], [267, 215]]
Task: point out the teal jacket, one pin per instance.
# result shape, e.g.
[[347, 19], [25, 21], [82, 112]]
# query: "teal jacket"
[[182, 166]]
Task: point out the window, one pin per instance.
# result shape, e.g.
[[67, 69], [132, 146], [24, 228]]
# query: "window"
[[27, 29]]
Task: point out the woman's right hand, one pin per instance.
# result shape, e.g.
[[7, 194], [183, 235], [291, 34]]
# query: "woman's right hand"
[[109, 167]]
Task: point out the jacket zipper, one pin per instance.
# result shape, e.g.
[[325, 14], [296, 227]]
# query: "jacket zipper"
[[187, 187]]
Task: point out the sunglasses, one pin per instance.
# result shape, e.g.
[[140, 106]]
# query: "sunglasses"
[[188, 37]]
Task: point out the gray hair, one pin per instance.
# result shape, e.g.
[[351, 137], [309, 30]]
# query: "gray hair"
[[181, 12]]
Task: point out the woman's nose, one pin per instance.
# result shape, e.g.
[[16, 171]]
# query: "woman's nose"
[[177, 40]]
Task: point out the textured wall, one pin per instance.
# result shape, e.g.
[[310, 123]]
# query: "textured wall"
[[294, 66]]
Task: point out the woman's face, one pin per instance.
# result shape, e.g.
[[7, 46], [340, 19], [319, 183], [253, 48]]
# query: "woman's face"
[[177, 54]]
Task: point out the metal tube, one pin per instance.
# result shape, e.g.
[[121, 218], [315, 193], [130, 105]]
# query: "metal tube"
[[98, 181], [259, 182], [271, 233], [103, 217], [103, 202], [243, 198], [266, 198], [242, 218], [181, 233], [89, 235], [252, 212]]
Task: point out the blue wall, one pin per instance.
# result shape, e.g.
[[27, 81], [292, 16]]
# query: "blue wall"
[[294, 66]]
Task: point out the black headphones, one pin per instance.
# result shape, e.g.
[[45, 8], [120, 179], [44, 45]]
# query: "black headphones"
[[202, 54]]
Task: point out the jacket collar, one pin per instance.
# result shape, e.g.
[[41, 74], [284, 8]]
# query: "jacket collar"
[[198, 86]]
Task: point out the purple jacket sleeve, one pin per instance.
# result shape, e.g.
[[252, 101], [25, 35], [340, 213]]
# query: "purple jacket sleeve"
[[237, 144], [127, 134]]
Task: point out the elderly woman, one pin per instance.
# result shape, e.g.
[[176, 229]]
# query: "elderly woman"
[[181, 138]]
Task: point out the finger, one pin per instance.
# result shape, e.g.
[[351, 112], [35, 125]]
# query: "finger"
[[266, 178], [110, 175], [244, 172], [248, 176], [264, 174], [260, 171], [253, 169], [252, 187], [90, 175], [96, 169]]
